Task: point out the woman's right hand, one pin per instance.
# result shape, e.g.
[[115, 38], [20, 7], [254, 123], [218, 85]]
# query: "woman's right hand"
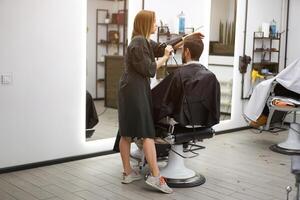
[[161, 61], [168, 50]]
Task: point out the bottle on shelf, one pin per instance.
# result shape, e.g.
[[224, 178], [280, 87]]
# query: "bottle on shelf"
[[107, 20], [273, 32], [181, 24]]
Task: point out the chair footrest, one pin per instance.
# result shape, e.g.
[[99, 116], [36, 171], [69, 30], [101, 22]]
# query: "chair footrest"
[[184, 134]]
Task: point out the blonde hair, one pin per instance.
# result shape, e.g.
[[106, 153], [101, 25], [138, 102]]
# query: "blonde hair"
[[143, 23]]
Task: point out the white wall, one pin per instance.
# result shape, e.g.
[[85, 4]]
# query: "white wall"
[[42, 114], [293, 40], [294, 30], [134, 6]]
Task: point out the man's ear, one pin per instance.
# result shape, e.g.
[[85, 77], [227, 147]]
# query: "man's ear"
[[188, 53]]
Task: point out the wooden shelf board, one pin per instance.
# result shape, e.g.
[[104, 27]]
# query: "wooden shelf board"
[[265, 63], [265, 50], [110, 43]]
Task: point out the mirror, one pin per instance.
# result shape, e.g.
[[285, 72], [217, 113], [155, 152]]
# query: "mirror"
[[218, 54], [221, 49], [106, 45]]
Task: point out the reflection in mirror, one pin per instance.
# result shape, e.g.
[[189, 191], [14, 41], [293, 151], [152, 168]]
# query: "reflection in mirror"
[[221, 49], [106, 45]]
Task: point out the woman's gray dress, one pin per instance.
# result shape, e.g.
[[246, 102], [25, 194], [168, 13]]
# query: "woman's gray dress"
[[135, 105]]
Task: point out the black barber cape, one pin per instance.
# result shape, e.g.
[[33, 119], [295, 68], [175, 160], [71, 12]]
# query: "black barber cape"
[[91, 117], [201, 89]]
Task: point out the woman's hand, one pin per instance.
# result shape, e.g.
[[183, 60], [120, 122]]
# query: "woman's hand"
[[161, 61], [168, 50]]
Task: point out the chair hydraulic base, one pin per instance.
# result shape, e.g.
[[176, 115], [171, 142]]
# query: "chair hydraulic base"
[[292, 144], [197, 180], [176, 174], [276, 148]]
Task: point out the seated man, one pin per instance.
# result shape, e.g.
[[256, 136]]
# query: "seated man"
[[190, 95], [288, 85]]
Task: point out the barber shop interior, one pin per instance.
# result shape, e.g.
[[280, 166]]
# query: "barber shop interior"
[[149, 99]]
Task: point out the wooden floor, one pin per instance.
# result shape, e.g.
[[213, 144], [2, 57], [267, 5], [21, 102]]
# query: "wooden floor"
[[237, 166]]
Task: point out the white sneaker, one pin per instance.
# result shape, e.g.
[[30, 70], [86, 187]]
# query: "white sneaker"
[[137, 154], [133, 176], [158, 182]]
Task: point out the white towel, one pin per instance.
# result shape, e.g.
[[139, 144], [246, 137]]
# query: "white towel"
[[288, 78]]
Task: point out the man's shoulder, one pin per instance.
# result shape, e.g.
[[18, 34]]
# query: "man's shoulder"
[[196, 69], [192, 67]]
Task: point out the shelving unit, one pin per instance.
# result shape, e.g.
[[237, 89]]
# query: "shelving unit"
[[266, 53], [109, 36]]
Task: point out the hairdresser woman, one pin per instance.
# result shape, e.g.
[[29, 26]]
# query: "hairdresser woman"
[[135, 106]]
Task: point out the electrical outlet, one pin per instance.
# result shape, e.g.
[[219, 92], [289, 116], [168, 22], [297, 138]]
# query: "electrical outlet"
[[6, 79]]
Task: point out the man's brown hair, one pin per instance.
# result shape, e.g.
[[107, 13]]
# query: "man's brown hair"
[[143, 23], [195, 45]]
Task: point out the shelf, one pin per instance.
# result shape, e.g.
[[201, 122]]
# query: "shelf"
[[266, 38], [110, 24], [100, 79], [266, 63], [100, 62], [266, 50], [171, 34], [109, 43]]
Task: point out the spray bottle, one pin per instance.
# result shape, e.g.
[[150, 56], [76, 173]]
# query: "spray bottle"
[[181, 24], [273, 28]]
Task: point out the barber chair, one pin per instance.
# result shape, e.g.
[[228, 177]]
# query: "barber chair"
[[279, 107], [178, 140], [182, 140]]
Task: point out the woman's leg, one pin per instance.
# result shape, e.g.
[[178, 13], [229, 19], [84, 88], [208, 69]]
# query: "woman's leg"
[[154, 180], [150, 154], [124, 146]]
